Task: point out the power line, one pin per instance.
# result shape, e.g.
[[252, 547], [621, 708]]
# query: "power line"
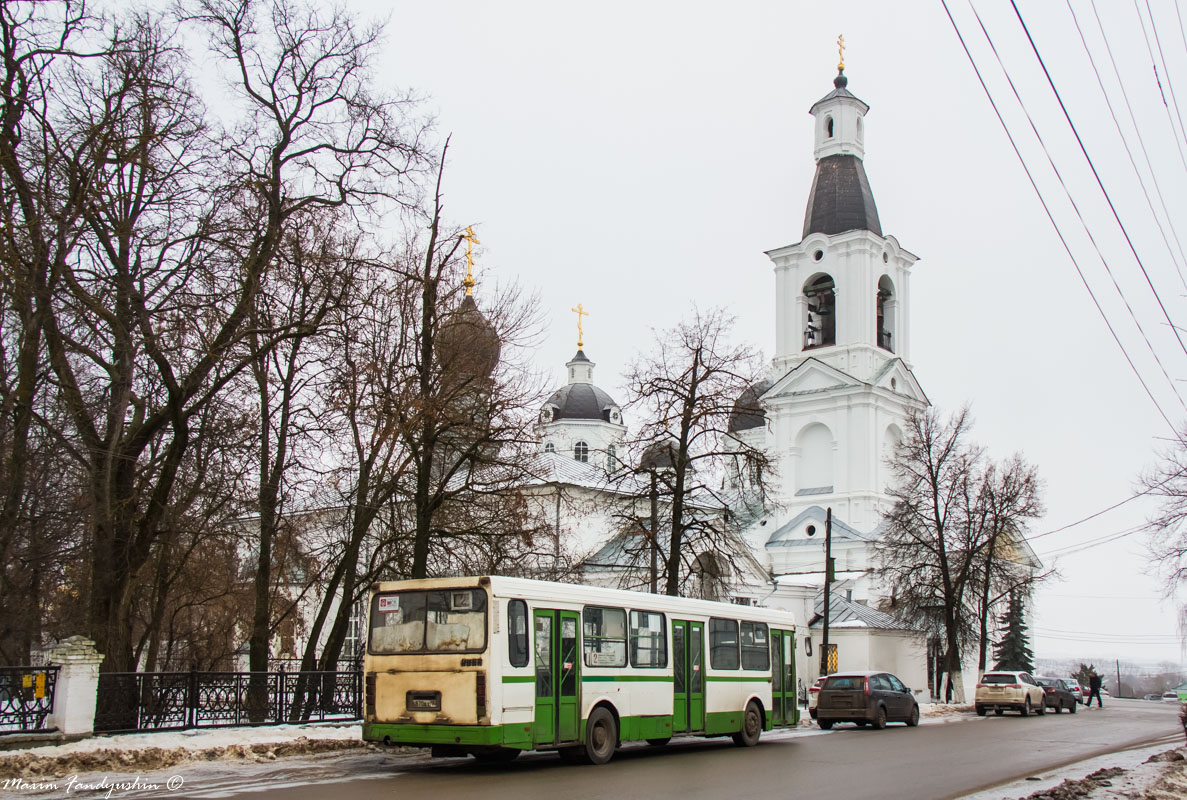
[[1108, 198], [1051, 218], [1141, 142], [1142, 493], [1089, 544], [1154, 66]]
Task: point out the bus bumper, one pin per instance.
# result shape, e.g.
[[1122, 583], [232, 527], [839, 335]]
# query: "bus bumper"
[[519, 736]]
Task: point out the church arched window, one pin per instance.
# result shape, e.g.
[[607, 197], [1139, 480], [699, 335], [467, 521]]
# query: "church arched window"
[[611, 458], [828, 126], [581, 452], [887, 304], [550, 448], [820, 322]]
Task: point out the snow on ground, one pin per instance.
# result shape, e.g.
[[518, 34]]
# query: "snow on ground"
[[1147, 773]]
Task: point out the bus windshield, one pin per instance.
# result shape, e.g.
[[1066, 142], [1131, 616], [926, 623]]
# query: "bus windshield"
[[434, 621]]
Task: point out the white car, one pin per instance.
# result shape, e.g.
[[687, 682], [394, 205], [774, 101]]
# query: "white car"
[[1009, 691], [1170, 697]]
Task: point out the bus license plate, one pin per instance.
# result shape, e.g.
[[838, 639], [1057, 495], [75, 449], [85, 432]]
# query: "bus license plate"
[[423, 701]]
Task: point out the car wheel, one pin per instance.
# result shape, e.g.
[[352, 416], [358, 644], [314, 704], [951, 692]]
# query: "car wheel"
[[1026, 708], [879, 718], [751, 727], [1058, 708], [913, 719], [999, 711], [825, 724], [601, 736], [980, 711], [1073, 708]]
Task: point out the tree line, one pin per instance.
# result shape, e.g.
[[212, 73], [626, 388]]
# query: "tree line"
[[236, 329]]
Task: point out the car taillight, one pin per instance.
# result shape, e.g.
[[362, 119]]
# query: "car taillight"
[[814, 689], [1049, 690], [867, 688], [982, 685]]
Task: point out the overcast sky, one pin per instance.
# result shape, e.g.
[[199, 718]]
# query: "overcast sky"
[[639, 158]]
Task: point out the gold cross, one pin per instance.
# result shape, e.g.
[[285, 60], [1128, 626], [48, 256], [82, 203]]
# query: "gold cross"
[[841, 52], [471, 240], [580, 312]]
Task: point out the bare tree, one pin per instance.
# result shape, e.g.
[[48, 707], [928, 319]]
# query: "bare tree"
[[686, 387], [952, 533], [1167, 526]]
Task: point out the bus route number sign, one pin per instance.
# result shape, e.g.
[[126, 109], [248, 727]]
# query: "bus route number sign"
[[389, 604]]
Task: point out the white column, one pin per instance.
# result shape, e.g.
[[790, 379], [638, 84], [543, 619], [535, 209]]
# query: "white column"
[[77, 685]]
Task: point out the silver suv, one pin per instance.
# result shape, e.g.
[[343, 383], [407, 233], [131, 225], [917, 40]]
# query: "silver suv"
[[1015, 691]]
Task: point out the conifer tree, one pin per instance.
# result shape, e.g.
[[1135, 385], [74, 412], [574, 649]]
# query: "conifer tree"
[[1013, 651]]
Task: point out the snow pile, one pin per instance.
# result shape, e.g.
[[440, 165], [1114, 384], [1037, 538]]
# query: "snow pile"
[[153, 751]]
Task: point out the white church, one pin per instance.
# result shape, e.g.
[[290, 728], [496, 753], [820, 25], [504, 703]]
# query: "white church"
[[832, 408]]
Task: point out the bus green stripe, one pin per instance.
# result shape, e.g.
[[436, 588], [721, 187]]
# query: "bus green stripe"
[[519, 679], [738, 678]]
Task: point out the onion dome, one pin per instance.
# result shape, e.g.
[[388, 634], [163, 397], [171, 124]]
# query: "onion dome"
[[748, 412], [467, 344], [580, 399]]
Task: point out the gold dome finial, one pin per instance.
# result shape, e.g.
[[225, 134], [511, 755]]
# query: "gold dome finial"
[[471, 240], [841, 53], [580, 312]]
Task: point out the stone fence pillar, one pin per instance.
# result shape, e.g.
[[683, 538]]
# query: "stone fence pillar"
[[77, 686]]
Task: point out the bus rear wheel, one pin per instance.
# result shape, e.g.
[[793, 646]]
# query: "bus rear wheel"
[[601, 736], [751, 727]]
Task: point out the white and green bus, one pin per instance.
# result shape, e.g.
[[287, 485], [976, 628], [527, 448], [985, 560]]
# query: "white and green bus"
[[493, 666]]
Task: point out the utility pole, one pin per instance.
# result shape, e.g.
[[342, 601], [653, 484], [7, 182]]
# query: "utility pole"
[[828, 579], [654, 539], [1118, 664]]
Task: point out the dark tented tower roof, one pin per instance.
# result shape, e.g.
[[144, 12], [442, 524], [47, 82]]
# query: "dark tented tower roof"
[[841, 199]]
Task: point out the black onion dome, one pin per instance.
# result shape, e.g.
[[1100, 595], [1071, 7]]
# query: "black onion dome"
[[581, 401], [468, 343], [748, 412], [841, 199]]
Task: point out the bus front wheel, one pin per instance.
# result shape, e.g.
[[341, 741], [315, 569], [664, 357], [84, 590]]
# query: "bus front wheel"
[[601, 736], [751, 727]]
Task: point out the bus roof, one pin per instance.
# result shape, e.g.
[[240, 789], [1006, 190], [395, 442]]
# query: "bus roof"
[[580, 594]]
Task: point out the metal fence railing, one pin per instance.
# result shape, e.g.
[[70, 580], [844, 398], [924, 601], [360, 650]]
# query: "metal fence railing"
[[151, 701], [26, 698]]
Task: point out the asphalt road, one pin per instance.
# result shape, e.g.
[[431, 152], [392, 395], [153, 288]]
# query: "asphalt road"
[[944, 759]]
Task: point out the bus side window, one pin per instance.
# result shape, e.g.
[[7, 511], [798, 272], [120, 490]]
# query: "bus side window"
[[517, 633], [723, 643], [755, 654]]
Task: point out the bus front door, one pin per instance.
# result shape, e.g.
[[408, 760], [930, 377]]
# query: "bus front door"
[[688, 679], [783, 689], [558, 678]]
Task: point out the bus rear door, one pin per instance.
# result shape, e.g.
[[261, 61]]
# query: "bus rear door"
[[688, 680], [558, 678]]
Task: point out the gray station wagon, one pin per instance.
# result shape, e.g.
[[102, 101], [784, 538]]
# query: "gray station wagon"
[[865, 698]]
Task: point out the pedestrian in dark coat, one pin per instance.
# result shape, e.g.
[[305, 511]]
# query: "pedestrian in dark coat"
[[1094, 691]]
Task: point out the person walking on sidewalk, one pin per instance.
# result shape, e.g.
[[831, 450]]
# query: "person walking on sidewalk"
[[1094, 691]]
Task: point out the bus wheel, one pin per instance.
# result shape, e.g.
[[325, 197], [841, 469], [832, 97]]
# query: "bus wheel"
[[659, 742], [601, 736], [497, 755], [751, 727]]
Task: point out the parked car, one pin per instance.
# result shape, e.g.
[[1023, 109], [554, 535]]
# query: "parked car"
[[1057, 694], [1152, 697], [866, 698], [1170, 697], [1074, 687], [1009, 691], [814, 695]]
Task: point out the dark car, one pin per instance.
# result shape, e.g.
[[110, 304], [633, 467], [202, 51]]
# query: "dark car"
[[1057, 694], [866, 698]]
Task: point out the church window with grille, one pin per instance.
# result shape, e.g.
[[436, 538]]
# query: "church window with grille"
[[550, 448], [581, 452], [611, 458], [886, 313]]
